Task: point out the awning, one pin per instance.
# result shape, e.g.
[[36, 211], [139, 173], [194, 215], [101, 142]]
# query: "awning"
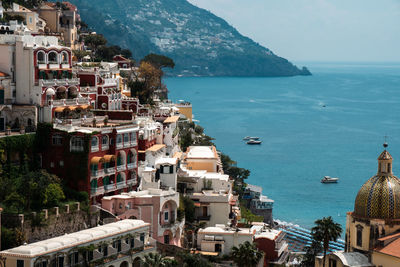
[[50, 91], [97, 160], [61, 109], [171, 119], [141, 151], [155, 148], [85, 106], [197, 204], [108, 158], [74, 107]]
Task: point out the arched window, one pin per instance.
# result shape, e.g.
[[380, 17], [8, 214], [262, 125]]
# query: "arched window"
[[41, 57], [133, 138], [104, 142], [52, 56], [64, 57], [359, 235], [94, 144], [76, 144], [119, 140]]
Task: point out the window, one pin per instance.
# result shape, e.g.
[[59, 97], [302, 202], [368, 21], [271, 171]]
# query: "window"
[[359, 235], [61, 261], [166, 216], [166, 239], [105, 251], [119, 140], [218, 247], [57, 140], [64, 57], [90, 255], [126, 138], [132, 242], [142, 237], [61, 163], [20, 263], [95, 143], [53, 57], [41, 264], [332, 263], [51, 164], [104, 141], [133, 137], [41, 57], [119, 248], [389, 168], [77, 144]]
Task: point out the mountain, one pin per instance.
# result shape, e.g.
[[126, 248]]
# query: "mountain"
[[199, 42]]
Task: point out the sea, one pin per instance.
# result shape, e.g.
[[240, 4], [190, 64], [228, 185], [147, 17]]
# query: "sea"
[[331, 123]]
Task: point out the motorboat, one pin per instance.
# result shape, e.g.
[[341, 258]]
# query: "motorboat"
[[328, 180], [247, 138], [253, 142]]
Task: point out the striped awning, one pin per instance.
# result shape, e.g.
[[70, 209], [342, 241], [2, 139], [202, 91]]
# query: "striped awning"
[[97, 160], [108, 158], [61, 109]]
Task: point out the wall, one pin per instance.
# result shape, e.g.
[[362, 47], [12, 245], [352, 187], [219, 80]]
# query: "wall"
[[380, 259]]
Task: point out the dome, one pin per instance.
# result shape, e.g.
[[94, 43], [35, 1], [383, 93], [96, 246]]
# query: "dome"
[[379, 197]]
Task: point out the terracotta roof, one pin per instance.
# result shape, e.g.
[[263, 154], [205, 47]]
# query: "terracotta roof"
[[3, 74], [392, 249], [389, 237], [171, 119], [155, 148]]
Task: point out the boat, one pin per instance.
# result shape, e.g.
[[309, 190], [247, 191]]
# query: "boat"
[[253, 142], [247, 138], [328, 180]]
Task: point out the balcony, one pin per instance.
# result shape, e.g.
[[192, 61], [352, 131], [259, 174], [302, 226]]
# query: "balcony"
[[97, 191], [127, 144], [94, 148], [70, 102], [97, 173], [131, 181], [121, 168], [121, 185], [134, 143], [59, 82], [119, 145], [109, 187], [110, 170], [131, 165]]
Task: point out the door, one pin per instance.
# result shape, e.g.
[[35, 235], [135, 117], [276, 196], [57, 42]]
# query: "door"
[[1, 124]]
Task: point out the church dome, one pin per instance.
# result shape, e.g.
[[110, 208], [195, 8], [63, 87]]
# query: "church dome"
[[379, 197]]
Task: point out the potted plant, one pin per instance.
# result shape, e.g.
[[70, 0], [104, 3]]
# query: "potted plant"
[[22, 129], [8, 129], [105, 120]]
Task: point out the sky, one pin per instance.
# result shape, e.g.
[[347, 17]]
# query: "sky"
[[317, 30]]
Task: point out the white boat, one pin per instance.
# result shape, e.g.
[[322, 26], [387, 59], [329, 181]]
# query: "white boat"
[[251, 138], [253, 142], [328, 180]]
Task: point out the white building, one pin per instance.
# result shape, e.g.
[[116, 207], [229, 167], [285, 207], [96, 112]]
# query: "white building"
[[122, 244]]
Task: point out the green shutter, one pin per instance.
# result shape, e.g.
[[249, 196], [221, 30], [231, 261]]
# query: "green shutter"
[[106, 180], [118, 178], [93, 183], [118, 160]]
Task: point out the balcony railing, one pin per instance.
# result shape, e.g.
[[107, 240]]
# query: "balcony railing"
[[121, 168], [109, 187], [110, 170], [131, 181], [94, 148], [97, 173], [70, 102], [131, 165], [97, 191], [119, 145], [121, 185], [59, 82]]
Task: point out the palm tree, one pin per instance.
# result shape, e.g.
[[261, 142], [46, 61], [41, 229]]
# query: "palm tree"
[[247, 255], [326, 230], [153, 260]]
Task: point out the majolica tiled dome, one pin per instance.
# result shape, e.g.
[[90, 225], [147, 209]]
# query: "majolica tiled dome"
[[379, 197]]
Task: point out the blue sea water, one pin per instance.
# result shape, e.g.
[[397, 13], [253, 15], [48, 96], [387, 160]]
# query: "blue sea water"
[[302, 139]]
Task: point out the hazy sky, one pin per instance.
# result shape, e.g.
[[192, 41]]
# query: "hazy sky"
[[317, 30]]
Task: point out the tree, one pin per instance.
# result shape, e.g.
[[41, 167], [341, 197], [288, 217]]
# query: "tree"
[[247, 255], [159, 61], [192, 260], [326, 230], [145, 84], [80, 54], [95, 40], [308, 260], [156, 260], [53, 195]]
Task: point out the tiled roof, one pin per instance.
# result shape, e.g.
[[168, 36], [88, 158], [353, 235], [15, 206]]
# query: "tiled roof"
[[392, 249]]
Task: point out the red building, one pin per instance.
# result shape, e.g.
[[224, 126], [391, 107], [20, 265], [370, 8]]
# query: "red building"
[[123, 62], [100, 160], [275, 248]]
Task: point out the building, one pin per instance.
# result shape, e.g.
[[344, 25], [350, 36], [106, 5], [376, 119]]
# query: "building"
[[272, 243], [203, 158], [155, 206], [94, 155], [372, 229], [61, 19], [222, 239], [123, 243], [31, 18], [123, 62], [258, 203], [185, 109]]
